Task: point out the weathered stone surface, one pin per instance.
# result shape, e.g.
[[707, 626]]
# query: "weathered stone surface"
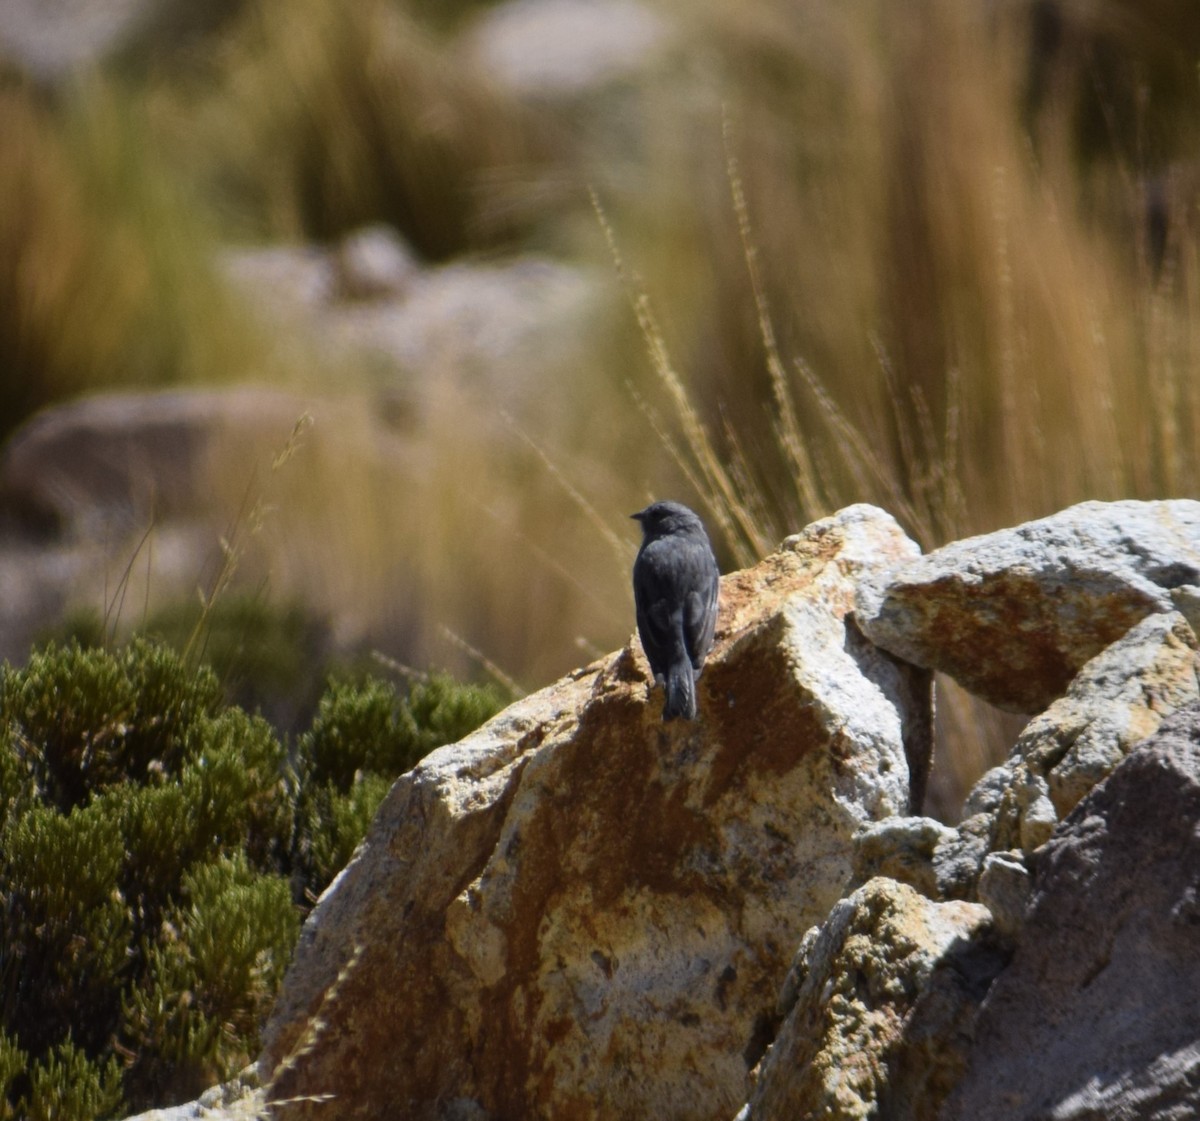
[[902, 849], [1005, 886], [885, 995], [1096, 1017], [1117, 699], [581, 912], [1012, 616]]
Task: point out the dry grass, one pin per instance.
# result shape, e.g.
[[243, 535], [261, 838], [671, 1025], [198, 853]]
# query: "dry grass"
[[314, 119]]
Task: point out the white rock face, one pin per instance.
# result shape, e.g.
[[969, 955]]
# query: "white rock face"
[[581, 911], [1012, 616]]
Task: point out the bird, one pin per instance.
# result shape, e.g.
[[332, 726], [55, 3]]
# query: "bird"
[[676, 583]]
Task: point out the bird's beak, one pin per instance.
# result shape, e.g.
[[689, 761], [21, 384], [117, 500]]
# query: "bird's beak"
[[638, 516]]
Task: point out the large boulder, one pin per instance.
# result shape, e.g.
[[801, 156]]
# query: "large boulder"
[[555, 49], [1097, 1017], [1013, 616], [513, 332], [579, 911]]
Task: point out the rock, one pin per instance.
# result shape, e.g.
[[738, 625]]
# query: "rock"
[[557, 48], [1117, 699], [1096, 1016], [114, 461], [374, 262], [54, 42], [504, 330], [958, 856], [1012, 616], [51, 40], [885, 996], [1004, 889], [901, 848], [580, 911], [240, 1099], [133, 500]]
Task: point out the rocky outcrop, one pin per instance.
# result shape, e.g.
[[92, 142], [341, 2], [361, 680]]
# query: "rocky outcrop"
[[114, 461], [1014, 615], [1096, 1017], [1118, 699], [581, 912], [1089, 1021]]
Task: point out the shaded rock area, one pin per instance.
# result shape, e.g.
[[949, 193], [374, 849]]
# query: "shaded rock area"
[[581, 912], [1096, 1017], [1119, 697]]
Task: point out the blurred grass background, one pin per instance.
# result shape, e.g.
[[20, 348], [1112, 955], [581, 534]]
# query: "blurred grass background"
[[939, 256]]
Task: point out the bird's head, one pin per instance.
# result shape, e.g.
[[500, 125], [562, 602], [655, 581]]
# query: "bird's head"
[[660, 518]]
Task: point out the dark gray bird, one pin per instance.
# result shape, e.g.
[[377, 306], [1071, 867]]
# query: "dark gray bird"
[[675, 587]]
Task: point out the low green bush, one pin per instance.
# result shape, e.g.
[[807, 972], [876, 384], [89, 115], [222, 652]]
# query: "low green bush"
[[158, 850], [364, 735]]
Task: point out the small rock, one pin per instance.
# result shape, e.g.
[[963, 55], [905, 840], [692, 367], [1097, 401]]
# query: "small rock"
[[902, 849], [1004, 889], [882, 1015], [374, 262], [1035, 811], [959, 856]]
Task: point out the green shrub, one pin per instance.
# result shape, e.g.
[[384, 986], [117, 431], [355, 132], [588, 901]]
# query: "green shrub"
[[140, 826], [86, 719], [156, 850], [225, 945], [269, 658], [68, 1085], [363, 737]]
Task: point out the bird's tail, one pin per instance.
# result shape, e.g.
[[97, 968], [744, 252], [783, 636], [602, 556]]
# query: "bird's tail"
[[681, 690]]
